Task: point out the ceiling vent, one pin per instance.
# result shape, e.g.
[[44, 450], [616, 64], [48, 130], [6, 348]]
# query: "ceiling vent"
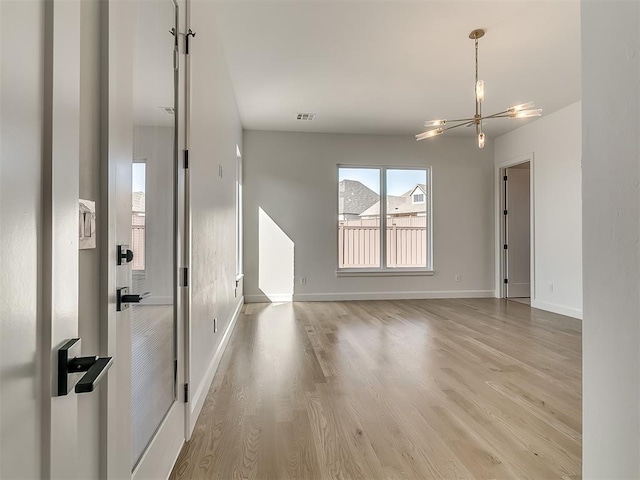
[[306, 116]]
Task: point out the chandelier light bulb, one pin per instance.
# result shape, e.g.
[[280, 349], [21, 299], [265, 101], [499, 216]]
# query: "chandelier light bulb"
[[429, 134], [480, 90], [435, 123], [481, 140], [526, 113], [522, 106]]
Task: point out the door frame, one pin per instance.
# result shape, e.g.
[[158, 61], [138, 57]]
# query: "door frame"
[[500, 255], [117, 146]]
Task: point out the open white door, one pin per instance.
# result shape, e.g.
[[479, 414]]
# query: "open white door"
[[145, 413], [518, 231], [44, 365]]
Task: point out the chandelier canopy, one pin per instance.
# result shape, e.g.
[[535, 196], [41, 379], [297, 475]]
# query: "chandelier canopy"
[[524, 110]]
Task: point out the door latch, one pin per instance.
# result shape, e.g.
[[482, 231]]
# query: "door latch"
[[123, 298], [83, 373]]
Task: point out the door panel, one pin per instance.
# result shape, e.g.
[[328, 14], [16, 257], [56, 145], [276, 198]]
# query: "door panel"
[[21, 100], [153, 341], [518, 232]]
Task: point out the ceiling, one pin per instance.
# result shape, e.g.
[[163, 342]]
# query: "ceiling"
[[385, 67]]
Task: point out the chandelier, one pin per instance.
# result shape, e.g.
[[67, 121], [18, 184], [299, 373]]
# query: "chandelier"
[[524, 110]]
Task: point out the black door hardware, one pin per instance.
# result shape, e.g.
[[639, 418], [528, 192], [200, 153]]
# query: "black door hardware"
[[124, 254], [83, 373], [123, 298]]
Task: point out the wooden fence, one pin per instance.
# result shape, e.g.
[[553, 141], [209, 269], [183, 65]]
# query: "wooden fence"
[[359, 243]]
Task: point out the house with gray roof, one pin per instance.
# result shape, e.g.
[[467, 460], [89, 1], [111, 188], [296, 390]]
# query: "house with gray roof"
[[410, 203], [354, 198]]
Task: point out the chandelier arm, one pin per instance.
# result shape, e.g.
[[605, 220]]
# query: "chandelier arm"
[[465, 124], [496, 115], [461, 120]]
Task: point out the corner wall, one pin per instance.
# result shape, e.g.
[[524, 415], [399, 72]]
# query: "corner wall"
[[611, 221], [555, 141], [215, 130], [293, 178]]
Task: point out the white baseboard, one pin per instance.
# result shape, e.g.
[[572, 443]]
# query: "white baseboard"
[[559, 309], [196, 402], [272, 298], [342, 296]]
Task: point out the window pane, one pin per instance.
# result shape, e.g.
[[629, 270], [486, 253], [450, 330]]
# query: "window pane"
[[138, 191], [358, 218], [407, 218]]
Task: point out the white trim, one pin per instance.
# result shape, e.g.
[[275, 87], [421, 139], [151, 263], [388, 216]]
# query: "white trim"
[[271, 298], [559, 309], [161, 454], [341, 296], [197, 401], [387, 272], [499, 223]]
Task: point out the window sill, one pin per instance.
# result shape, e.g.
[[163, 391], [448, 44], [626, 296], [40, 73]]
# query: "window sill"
[[405, 272]]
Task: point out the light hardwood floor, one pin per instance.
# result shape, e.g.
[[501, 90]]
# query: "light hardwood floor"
[[414, 389]]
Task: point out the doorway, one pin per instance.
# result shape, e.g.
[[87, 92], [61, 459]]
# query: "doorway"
[[516, 232]]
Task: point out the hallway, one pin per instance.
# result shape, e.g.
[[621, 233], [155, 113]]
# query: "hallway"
[[393, 389]]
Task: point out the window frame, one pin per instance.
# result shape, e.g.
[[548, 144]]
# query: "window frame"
[[383, 270]]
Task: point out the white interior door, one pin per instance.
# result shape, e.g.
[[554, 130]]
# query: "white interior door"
[[143, 187], [518, 231]]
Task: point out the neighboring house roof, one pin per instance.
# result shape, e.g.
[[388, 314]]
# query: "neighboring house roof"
[[354, 197], [137, 201], [401, 205]]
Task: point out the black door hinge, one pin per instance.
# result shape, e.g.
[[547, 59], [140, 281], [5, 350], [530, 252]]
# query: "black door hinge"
[[186, 393], [504, 178], [190, 33], [185, 277], [506, 281], [505, 247], [504, 212], [186, 159]]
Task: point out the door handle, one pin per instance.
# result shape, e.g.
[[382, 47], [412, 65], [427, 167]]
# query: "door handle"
[[124, 298], [83, 373]]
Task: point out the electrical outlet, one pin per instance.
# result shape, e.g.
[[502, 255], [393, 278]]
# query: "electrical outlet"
[[458, 278], [215, 325], [550, 287], [303, 280]]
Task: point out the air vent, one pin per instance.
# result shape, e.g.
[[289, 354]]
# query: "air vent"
[[168, 110], [306, 116]]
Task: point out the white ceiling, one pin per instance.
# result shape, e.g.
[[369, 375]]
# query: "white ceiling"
[[387, 66]]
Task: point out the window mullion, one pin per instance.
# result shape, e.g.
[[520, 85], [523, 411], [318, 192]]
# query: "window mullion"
[[383, 218]]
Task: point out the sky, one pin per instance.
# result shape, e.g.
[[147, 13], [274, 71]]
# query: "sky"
[[398, 181]]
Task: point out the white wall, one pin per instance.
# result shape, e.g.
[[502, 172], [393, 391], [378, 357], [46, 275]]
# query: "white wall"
[[611, 227], [154, 145], [555, 141], [215, 132], [293, 178]]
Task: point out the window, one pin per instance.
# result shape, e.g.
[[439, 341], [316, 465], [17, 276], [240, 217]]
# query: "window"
[[389, 236], [138, 190]]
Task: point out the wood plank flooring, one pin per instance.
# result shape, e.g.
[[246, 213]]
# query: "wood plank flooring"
[[414, 389]]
